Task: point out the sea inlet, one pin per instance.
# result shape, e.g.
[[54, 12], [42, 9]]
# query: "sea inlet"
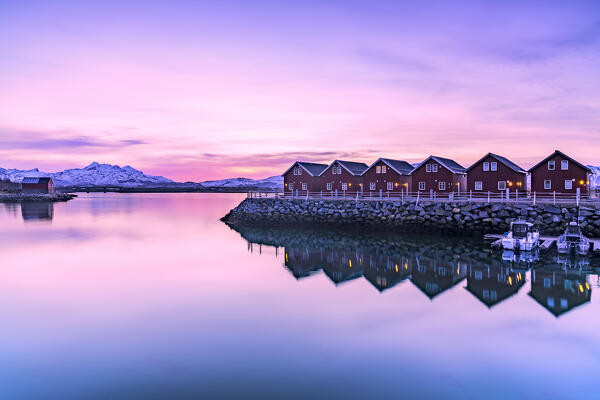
[[150, 296]]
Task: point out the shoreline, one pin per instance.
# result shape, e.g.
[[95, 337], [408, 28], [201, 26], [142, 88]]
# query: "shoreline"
[[36, 198]]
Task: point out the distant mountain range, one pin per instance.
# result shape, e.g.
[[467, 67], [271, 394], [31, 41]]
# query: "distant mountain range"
[[103, 175]]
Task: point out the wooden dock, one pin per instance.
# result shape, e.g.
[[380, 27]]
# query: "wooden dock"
[[545, 242]]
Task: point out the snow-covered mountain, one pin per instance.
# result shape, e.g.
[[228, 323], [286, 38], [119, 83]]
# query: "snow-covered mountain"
[[94, 174], [595, 178], [272, 183]]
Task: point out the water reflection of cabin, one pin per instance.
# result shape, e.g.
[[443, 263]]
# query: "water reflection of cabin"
[[342, 265], [492, 284], [302, 261], [559, 291], [433, 276], [385, 271], [39, 211]]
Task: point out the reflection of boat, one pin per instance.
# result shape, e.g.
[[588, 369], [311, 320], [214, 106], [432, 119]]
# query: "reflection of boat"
[[521, 258], [521, 237], [573, 261], [573, 240]]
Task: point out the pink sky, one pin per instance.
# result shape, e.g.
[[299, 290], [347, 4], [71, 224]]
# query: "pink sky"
[[196, 92]]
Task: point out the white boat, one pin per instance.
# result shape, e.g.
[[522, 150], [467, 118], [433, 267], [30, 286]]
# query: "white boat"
[[521, 260], [521, 237], [573, 240]]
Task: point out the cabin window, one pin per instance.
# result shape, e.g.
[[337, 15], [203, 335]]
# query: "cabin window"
[[486, 294], [568, 184], [547, 283], [299, 171], [478, 185], [547, 184], [344, 186], [564, 165], [568, 284], [371, 185], [486, 166], [428, 168], [434, 168], [551, 165], [550, 302], [383, 169], [421, 185], [501, 185], [564, 304], [390, 186], [329, 186], [494, 166], [421, 269], [442, 271], [291, 186], [494, 295], [442, 185], [378, 169], [304, 186], [478, 275]]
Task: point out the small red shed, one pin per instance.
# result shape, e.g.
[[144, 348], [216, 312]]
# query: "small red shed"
[[561, 174], [37, 185], [302, 177], [387, 175], [438, 174], [343, 177], [495, 173]]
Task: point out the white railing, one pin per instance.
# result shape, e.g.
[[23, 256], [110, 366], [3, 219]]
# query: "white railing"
[[507, 196]]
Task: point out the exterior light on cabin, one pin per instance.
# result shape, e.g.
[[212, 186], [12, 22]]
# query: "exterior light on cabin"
[[581, 288], [581, 182], [510, 280], [396, 267], [350, 263], [396, 184], [587, 286], [350, 184], [285, 185], [509, 183]]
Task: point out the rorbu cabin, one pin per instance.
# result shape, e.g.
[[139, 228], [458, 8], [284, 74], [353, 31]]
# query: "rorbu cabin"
[[342, 265], [302, 177], [387, 175], [9, 186], [561, 174], [303, 261], [37, 185], [492, 284], [385, 271], [343, 177], [433, 276], [440, 175], [559, 291], [494, 173]]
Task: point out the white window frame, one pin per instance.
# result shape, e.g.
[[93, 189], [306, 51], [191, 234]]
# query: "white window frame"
[[549, 184], [493, 166], [486, 166], [329, 186], [378, 169], [434, 168], [562, 165], [304, 186], [501, 185], [421, 185], [568, 184], [372, 186], [478, 185], [390, 186], [344, 186], [428, 168], [551, 165], [383, 169], [291, 186], [441, 185]]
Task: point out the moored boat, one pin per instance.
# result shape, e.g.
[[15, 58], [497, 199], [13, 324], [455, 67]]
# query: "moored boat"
[[521, 237], [573, 240]]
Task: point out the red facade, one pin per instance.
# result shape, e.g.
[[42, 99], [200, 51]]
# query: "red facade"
[[302, 177], [45, 186], [337, 178], [493, 175], [380, 177], [561, 174], [433, 175]]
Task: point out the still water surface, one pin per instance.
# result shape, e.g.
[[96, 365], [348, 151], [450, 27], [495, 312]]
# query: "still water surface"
[[150, 296]]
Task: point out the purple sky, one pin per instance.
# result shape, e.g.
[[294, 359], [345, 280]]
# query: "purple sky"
[[197, 90]]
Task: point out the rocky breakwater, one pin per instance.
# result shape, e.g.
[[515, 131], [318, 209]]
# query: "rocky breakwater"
[[463, 218]]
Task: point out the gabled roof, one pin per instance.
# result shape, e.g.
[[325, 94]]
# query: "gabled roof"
[[565, 156], [35, 180], [449, 164], [503, 160], [355, 168], [312, 168], [400, 166]]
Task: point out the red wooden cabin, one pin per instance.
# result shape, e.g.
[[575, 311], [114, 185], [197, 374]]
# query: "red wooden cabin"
[[387, 175], [495, 173], [302, 177], [438, 174], [343, 177], [561, 174]]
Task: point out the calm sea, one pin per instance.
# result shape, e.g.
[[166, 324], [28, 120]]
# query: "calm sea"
[[150, 296]]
